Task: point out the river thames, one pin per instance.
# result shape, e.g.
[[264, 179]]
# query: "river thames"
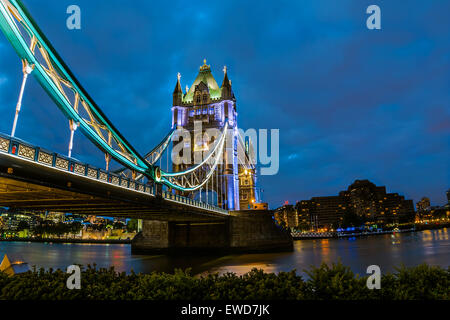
[[387, 251]]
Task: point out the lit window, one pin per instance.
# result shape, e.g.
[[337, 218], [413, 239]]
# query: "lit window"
[[191, 113], [211, 110]]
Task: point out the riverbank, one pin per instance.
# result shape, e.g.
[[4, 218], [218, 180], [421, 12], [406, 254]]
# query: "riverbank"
[[432, 226], [337, 235], [57, 240]]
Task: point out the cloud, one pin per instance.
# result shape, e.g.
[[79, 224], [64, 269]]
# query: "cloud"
[[350, 103]]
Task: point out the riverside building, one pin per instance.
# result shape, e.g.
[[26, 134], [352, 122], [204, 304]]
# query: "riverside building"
[[362, 202]]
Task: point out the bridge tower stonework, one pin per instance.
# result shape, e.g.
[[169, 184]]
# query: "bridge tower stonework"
[[203, 106]]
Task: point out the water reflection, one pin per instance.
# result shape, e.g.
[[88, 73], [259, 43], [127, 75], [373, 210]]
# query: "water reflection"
[[387, 251]]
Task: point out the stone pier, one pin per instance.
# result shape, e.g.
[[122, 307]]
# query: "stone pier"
[[241, 232]]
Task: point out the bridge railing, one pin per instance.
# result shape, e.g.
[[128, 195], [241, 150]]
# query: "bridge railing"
[[21, 149]]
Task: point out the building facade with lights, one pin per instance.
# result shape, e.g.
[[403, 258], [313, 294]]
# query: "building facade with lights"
[[287, 216], [205, 106], [363, 200]]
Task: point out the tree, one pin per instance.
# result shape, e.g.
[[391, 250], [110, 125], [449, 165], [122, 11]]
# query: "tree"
[[23, 225], [118, 225], [303, 226], [75, 227], [351, 219], [132, 225]]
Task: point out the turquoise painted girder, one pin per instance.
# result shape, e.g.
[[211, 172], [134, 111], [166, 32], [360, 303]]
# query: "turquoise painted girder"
[[18, 41]]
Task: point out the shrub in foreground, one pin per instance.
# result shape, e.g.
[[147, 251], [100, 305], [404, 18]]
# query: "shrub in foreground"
[[325, 282]]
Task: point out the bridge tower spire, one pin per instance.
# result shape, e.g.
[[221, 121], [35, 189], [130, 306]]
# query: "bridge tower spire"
[[177, 92]]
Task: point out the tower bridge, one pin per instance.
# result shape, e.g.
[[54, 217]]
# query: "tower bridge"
[[184, 205]]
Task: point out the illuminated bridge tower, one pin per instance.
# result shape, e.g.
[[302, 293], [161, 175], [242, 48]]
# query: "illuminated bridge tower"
[[206, 105]]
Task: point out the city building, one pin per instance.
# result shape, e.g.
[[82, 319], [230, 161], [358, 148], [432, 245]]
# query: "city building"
[[423, 205], [423, 209], [55, 216], [247, 188], [286, 216], [426, 212], [438, 212], [322, 212], [18, 220], [362, 202], [205, 106]]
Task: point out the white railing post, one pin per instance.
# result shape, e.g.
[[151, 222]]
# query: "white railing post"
[[73, 126]]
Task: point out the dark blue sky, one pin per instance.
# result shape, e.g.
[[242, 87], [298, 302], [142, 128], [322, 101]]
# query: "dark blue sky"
[[350, 103]]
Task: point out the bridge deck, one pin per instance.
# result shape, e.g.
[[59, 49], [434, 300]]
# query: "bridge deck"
[[35, 179]]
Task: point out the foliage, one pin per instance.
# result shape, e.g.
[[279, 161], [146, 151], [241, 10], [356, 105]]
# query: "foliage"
[[325, 282], [132, 225], [57, 229], [351, 219], [23, 225]]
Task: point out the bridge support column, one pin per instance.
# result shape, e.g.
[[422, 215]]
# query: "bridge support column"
[[180, 237], [243, 231], [154, 238], [256, 231]]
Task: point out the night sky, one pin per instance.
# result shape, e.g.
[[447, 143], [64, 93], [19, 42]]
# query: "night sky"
[[350, 103]]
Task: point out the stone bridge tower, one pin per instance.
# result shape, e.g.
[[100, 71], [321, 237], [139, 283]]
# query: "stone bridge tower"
[[206, 105]]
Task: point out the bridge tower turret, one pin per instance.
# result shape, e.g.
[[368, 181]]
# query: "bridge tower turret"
[[178, 92]]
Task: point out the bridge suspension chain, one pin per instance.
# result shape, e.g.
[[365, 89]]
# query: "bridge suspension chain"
[[196, 177], [151, 157]]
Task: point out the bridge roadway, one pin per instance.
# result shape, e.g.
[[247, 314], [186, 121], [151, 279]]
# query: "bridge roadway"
[[36, 179]]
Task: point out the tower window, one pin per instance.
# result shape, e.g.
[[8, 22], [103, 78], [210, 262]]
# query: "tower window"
[[205, 98], [198, 99]]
